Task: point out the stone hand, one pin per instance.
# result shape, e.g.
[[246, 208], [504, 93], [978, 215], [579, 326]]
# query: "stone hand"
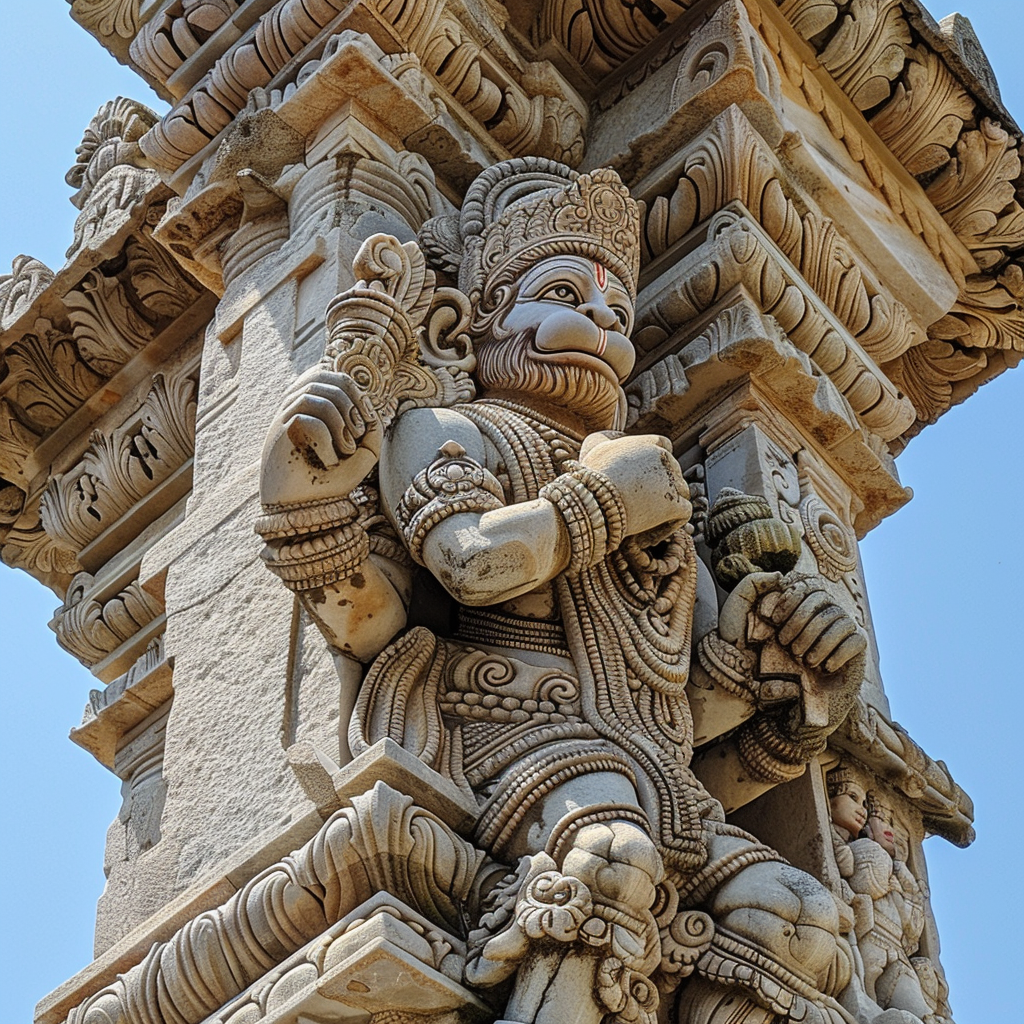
[[322, 443], [647, 476], [327, 416], [812, 626]]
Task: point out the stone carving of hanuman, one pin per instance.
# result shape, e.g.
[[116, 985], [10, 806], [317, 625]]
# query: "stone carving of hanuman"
[[550, 686]]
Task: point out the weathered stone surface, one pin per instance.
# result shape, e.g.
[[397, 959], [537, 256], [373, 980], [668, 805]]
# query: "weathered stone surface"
[[561, 475]]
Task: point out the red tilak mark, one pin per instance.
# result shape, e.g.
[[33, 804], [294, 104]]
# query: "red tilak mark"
[[602, 343], [602, 276]]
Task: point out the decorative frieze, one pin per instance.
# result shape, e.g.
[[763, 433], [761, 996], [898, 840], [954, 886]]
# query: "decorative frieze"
[[121, 468], [868, 50], [732, 162], [520, 107], [91, 628]]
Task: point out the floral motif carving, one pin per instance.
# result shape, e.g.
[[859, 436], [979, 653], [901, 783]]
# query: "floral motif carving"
[[110, 140], [927, 113], [17, 442], [600, 35], [868, 51], [976, 192], [831, 540], [929, 373], [32, 549], [167, 40], [988, 314], [118, 308], [122, 467], [108, 17], [19, 289], [810, 17], [90, 629], [904, 203], [47, 377]]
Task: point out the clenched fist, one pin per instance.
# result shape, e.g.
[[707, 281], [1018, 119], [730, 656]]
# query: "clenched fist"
[[813, 627], [322, 443], [648, 478]]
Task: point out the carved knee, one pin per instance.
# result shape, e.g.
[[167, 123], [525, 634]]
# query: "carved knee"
[[778, 907], [617, 860], [621, 866]]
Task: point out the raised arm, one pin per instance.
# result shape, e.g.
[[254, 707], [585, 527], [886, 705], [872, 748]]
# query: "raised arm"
[[320, 447]]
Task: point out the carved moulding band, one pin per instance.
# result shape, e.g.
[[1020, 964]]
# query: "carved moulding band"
[[887, 750], [736, 251], [429, 867], [519, 121], [120, 468], [735, 335], [91, 629], [729, 162]]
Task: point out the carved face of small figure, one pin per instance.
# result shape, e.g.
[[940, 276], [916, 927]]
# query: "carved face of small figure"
[[882, 832], [577, 309], [850, 808]]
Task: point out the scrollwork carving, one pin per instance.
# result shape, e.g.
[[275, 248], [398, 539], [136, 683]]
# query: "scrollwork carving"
[[120, 468], [19, 289], [833, 544], [90, 629]]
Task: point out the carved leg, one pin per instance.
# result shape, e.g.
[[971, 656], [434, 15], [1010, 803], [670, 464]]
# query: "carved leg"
[[777, 945], [703, 1002], [584, 937], [899, 988]]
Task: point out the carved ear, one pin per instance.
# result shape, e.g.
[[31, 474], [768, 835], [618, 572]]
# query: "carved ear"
[[445, 342], [442, 243]]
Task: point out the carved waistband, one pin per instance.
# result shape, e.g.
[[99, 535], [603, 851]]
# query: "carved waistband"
[[484, 626]]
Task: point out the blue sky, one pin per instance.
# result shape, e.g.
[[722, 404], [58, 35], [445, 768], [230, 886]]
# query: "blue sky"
[[944, 579]]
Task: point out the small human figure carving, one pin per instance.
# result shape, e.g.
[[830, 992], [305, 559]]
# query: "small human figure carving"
[[887, 900], [472, 438]]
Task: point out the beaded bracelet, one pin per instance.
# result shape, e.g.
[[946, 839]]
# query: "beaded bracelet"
[[593, 512]]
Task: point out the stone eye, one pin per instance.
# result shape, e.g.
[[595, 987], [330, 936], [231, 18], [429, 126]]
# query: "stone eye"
[[621, 315], [562, 293]]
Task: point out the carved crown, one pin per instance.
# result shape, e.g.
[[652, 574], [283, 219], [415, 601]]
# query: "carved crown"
[[524, 210], [841, 780]]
